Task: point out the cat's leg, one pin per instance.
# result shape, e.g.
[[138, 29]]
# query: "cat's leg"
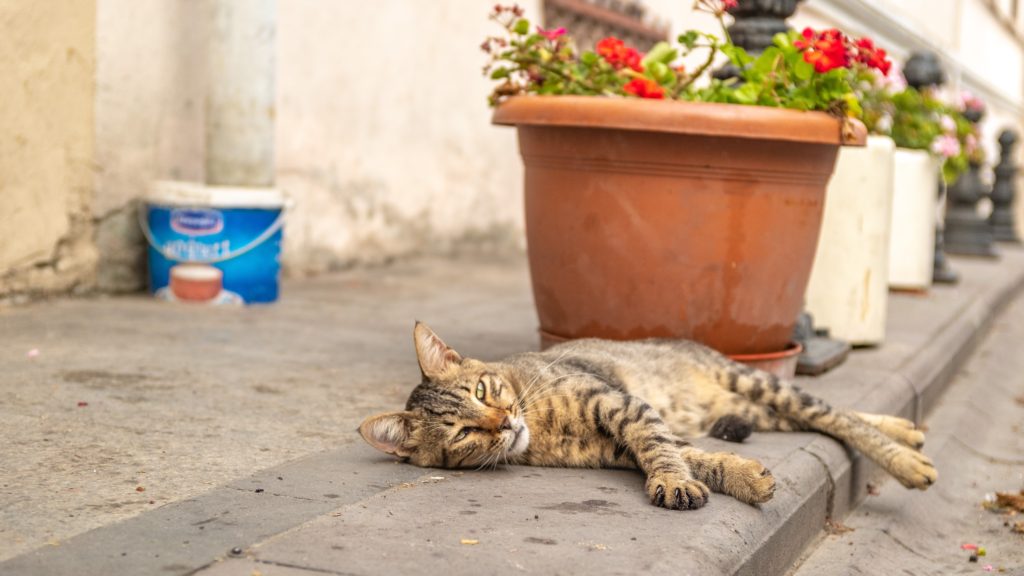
[[899, 429], [744, 479], [629, 421], [911, 468], [734, 417]]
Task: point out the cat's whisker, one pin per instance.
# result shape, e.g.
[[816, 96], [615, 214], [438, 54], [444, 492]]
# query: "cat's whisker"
[[542, 371]]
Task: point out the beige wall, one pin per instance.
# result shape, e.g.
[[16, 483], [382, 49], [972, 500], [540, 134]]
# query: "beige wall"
[[47, 61], [384, 136], [150, 81]]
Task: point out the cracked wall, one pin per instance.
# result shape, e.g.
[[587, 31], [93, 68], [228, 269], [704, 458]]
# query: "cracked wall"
[[47, 61]]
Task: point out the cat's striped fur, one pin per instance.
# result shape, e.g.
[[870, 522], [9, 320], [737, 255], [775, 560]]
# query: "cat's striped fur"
[[596, 403]]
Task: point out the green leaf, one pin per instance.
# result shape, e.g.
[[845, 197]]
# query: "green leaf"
[[783, 40], [661, 73], [765, 63], [522, 26], [499, 73], [589, 58], [803, 70], [747, 93], [736, 55], [689, 39], [662, 52]]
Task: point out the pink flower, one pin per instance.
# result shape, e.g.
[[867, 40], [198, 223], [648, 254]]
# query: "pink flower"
[[716, 7], [551, 35], [946, 146], [969, 101], [970, 144], [893, 82], [947, 123]]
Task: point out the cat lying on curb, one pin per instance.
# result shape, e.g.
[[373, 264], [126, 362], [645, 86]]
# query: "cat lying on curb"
[[597, 403]]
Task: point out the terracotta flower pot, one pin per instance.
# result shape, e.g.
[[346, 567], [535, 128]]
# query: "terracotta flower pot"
[[668, 219]]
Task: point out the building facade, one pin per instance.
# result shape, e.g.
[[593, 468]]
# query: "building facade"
[[383, 135]]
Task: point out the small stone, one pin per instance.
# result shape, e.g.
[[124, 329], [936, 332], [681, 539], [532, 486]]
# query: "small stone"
[[140, 489], [259, 490], [469, 542], [973, 558], [236, 551]]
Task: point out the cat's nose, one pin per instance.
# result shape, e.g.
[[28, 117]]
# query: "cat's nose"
[[506, 423]]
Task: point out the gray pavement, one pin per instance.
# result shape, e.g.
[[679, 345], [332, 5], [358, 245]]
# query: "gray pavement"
[[239, 427], [977, 443]]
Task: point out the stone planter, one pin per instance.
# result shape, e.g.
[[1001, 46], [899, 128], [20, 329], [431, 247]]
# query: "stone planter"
[[915, 201], [669, 219], [849, 283]]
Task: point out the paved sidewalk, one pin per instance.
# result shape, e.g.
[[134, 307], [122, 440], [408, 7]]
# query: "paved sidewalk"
[[977, 438], [239, 427]]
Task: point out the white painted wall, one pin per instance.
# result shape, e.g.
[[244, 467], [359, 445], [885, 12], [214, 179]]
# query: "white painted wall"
[[384, 135]]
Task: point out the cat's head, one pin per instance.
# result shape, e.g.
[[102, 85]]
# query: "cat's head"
[[465, 413]]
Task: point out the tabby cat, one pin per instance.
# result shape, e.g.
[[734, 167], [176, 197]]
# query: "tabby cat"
[[597, 403]]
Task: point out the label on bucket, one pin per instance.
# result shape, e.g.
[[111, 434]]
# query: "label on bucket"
[[214, 256], [196, 222]]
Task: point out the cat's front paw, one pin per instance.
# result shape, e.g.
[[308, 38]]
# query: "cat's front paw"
[[676, 491], [913, 469]]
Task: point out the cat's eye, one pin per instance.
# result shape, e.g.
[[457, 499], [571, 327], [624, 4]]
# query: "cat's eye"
[[461, 435], [480, 390]]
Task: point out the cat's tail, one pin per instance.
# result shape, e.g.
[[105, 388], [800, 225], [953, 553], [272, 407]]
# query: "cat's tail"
[[864, 432]]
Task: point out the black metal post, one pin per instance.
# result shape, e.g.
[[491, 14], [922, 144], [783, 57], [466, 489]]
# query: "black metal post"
[[924, 70], [1004, 191], [755, 23], [966, 232]]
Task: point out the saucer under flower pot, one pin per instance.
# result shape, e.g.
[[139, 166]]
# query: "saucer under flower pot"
[[782, 363]]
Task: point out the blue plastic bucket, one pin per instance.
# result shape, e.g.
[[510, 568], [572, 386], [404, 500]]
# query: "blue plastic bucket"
[[214, 245]]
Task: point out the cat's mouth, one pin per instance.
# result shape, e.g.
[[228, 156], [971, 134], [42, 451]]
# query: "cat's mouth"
[[520, 440]]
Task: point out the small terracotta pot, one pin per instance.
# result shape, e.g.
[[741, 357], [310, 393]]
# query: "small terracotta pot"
[[670, 219], [782, 364]]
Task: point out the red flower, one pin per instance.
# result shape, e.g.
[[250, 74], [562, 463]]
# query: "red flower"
[[729, 4], [873, 57], [551, 35], [826, 50], [644, 87], [616, 53]]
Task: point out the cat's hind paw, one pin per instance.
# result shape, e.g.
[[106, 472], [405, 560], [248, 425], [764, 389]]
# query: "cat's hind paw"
[[899, 429], [913, 469], [676, 491]]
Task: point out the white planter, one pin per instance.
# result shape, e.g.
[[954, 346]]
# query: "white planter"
[[849, 283], [915, 200]]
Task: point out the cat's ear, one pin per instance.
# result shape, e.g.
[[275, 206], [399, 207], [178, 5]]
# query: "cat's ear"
[[389, 432], [435, 357]]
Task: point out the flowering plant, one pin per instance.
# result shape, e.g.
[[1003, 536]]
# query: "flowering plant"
[[804, 71], [920, 120]]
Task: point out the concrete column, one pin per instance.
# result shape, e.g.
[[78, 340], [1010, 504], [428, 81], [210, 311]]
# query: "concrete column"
[[240, 93]]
